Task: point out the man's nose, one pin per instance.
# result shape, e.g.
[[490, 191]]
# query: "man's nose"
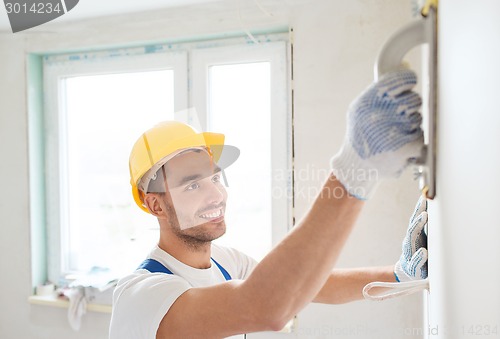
[[216, 194]]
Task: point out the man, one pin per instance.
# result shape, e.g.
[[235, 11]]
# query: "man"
[[191, 288]]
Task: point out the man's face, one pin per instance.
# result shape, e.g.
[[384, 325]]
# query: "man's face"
[[197, 193]]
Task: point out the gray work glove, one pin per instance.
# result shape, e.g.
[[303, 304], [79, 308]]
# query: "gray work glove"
[[383, 134], [412, 264]]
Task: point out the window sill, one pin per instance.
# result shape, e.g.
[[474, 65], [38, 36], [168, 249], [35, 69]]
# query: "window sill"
[[54, 301]]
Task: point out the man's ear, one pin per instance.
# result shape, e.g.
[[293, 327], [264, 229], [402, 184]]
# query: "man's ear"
[[153, 203]]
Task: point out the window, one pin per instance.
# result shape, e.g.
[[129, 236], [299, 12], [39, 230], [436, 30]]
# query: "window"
[[99, 126], [97, 105], [245, 89], [244, 93]]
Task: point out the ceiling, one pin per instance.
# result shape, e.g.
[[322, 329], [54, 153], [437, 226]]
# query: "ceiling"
[[94, 8]]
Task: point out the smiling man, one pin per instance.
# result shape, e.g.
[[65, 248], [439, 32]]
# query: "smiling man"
[[189, 287]]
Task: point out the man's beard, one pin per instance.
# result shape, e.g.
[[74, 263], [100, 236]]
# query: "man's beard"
[[198, 236]]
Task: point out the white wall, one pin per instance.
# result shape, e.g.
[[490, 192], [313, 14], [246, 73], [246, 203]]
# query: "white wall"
[[335, 46], [465, 228]]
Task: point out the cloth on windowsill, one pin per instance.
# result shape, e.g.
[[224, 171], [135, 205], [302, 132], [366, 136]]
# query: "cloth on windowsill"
[[77, 306], [96, 286]]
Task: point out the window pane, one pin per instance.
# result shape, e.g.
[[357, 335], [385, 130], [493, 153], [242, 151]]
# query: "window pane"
[[240, 107], [105, 114]]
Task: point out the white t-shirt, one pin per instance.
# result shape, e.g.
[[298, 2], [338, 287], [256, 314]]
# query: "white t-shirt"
[[141, 299]]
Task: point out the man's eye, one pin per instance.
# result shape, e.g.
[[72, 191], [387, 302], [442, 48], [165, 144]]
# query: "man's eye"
[[193, 186]]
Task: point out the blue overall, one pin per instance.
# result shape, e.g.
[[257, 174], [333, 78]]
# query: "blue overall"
[[155, 266]]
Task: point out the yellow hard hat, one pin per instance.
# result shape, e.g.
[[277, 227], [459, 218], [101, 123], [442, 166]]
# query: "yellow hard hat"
[[159, 144]]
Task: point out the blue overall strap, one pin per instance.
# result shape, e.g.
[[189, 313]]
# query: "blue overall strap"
[[223, 270], [155, 266]]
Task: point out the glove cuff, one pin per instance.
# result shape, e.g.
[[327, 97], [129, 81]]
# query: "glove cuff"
[[400, 275], [356, 174]]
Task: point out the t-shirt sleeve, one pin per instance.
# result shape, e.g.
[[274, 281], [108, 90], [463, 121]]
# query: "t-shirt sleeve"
[[140, 301]]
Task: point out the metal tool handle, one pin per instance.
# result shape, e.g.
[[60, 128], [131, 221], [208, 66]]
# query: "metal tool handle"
[[399, 44], [390, 57]]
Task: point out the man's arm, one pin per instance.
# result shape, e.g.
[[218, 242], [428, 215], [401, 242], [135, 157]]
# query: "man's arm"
[[383, 133], [346, 285], [286, 280]]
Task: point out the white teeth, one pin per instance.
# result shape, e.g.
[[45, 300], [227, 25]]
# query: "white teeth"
[[212, 215]]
